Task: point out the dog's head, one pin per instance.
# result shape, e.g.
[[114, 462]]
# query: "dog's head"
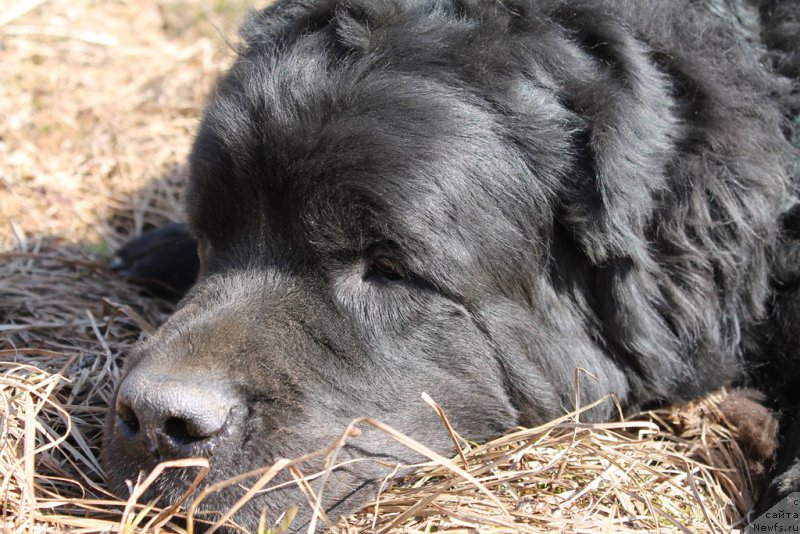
[[393, 199]]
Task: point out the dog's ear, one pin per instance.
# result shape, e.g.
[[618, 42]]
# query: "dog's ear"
[[625, 142]]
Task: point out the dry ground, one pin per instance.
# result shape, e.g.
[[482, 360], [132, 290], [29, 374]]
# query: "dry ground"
[[98, 102]]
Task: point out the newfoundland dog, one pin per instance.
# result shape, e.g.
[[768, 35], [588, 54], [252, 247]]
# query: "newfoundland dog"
[[475, 199]]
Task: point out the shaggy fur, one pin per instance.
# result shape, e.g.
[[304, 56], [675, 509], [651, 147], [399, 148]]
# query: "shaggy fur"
[[473, 198]]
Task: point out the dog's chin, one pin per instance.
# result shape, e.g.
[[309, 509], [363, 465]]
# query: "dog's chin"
[[221, 490], [208, 507]]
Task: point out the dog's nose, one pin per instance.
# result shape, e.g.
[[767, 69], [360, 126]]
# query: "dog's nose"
[[167, 417]]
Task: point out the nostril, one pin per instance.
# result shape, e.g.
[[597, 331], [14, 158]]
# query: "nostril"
[[182, 432], [127, 419]]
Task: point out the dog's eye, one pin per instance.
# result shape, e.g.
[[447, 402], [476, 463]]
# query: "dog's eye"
[[385, 267]]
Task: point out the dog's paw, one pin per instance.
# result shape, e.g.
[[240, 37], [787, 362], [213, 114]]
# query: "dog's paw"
[[163, 260]]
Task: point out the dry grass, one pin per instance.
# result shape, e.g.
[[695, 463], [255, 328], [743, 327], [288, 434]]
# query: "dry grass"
[[98, 103]]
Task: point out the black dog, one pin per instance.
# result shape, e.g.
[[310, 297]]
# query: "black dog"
[[472, 198]]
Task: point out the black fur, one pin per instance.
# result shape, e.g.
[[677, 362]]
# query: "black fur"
[[556, 185], [163, 260]]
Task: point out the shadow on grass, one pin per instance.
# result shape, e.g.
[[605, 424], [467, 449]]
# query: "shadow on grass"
[[67, 320]]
